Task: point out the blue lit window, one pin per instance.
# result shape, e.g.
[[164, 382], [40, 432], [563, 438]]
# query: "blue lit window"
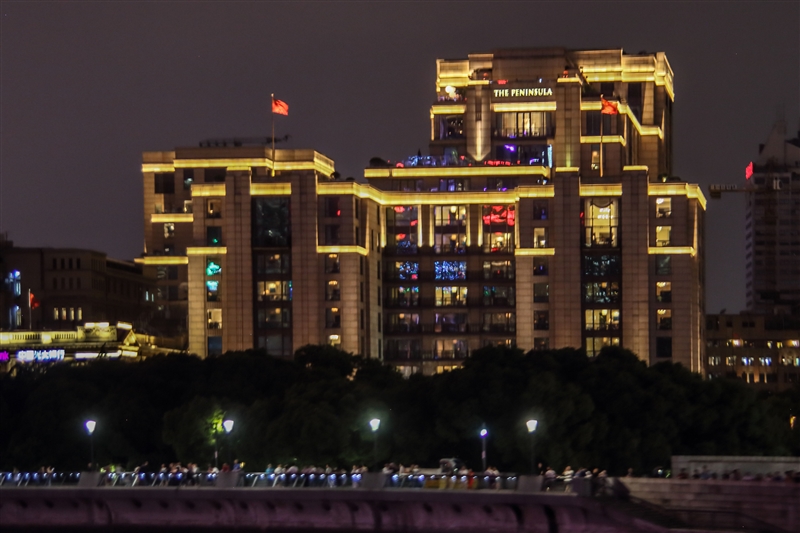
[[407, 270], [213, 268], [450, 270]]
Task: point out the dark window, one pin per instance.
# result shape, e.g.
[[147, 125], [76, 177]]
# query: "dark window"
[[663, 265], [601, 292], [602, 265], [272, 264], [541, 343], [541, 292], [332, 234], [541, 320], [188, 178], [214, 346], [213, 236], [332, 207], [332, 264], [663, 346], [78, 263], [215, 175], [541, 210], [540, 265], [271, 222], [165, 183], [451, 127]]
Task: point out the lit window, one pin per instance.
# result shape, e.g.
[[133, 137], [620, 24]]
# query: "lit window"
[[714, 361], [595, 156], [333, 317], [169, 230], [72, 313], [55, 313], [63, 313], [664, 291], [213, 208], [664, 319], [663, 235], [332, 264], [747, 361], [406, 270], [765, 361], [273, 291], [602, 319], [403, 296], [332, 292], [214, 317], [213, 268], [451, 296], [730, 360], [663, 207], [595, 344], [540, 237], [80, 313], [600, 221], [212, 291], [450, 270], [334, 340], [498, 228]]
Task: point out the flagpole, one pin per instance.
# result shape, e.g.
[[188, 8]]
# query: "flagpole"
[[601, 136], [272, 114]]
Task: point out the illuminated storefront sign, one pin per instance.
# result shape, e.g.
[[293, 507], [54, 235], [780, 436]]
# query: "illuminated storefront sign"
[[40, 356], [3, 356], [533, 91]]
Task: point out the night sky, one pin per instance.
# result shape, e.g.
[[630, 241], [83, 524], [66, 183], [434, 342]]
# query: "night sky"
[[87, 86]]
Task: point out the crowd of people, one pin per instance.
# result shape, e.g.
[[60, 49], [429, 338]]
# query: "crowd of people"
[[174, 474]]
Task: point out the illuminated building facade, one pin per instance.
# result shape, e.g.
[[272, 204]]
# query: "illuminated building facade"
[[772, 228], [761, 350], [517, 230]]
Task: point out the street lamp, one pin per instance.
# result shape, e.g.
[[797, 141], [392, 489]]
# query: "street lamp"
[[531, 430], [90, 425], [375, 425], [484, 433], [227, 425]]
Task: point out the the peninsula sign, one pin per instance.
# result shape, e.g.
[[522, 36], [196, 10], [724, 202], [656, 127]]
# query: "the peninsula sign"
[[511, 93]]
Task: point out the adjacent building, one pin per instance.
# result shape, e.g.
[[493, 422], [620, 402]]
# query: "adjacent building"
[[762, 350], [537, 221], [772, 225], [62, 288], [762, 345]]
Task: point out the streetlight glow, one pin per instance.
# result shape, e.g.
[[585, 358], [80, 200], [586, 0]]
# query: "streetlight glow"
[[532, 425], [484, 433], [375, 424], [90, 425], [228, 425]]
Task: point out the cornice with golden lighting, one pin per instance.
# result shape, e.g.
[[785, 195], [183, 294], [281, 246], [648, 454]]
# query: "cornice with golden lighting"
[[151, 260], [172, 217]]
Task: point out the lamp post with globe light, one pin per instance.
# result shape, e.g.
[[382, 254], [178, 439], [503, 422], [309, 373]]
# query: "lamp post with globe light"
[[484, 434], [227, 425], [375, 425], [90, 426], [532, 424]]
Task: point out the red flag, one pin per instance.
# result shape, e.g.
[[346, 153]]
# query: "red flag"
[[609, 108], [280, 107], [34, 301], [748, 171]]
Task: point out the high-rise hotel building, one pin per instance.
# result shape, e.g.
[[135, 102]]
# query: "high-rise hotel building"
[[536, 221]]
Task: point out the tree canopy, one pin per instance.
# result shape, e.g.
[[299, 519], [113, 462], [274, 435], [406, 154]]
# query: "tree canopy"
[[611, 411]]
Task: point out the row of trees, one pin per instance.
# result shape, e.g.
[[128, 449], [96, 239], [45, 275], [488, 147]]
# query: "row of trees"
[[611, 411]]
